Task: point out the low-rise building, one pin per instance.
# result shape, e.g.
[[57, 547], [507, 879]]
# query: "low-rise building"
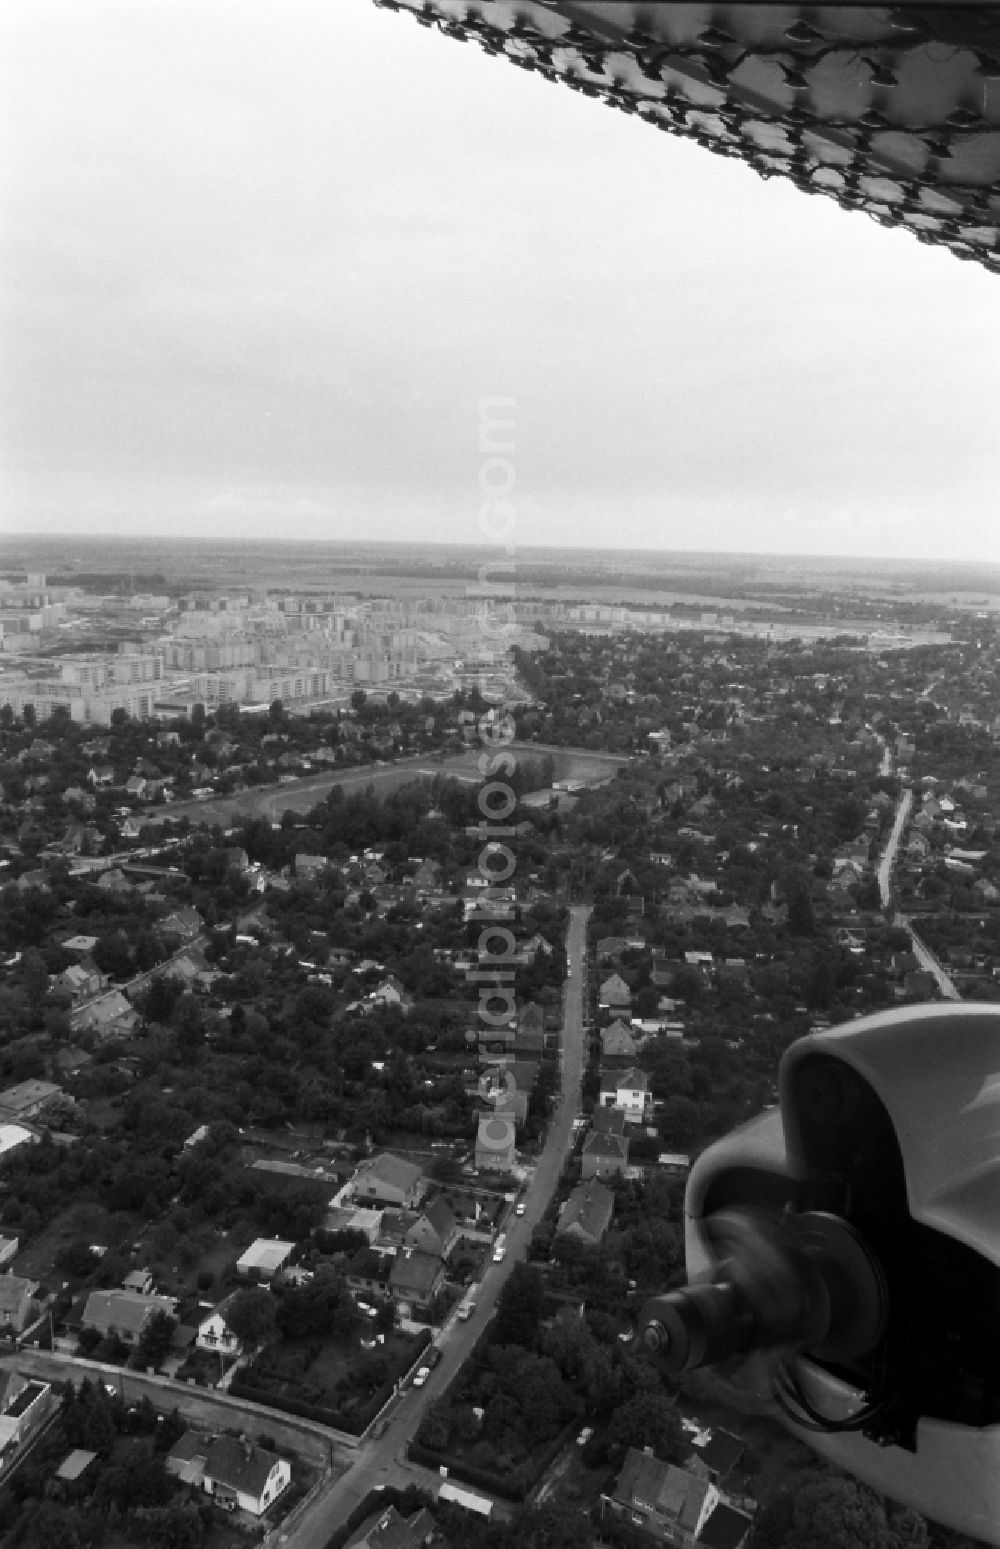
[[625, 1089], [495, 1143], [604, 1155], [120, 1314], [17, 1301], [214, 1332], [264, 1258], [105, 1019], [416, 1278], [586, 1215], [238, 1474], [27, 1100], [25, 1405], [667, 1503], [386, 1529], [388, 1180]]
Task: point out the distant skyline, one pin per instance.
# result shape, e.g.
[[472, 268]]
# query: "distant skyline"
[[261, 266]]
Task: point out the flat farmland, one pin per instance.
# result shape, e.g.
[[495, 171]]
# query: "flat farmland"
[[300, 796]]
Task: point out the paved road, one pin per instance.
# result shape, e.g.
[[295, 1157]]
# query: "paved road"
[[384, 1461], [202, 1406], [921, 951], [925, 957], [889, 853]]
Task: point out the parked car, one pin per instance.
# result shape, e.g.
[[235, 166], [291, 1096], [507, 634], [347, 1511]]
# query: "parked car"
[[423, 1372]]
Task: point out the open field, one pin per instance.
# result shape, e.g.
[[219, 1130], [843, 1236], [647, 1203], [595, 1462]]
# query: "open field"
[[301, 796]]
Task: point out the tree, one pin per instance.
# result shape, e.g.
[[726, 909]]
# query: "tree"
[[156, 1338], [519, 1306], [276, 712], [252, 1316], [648, 1420]]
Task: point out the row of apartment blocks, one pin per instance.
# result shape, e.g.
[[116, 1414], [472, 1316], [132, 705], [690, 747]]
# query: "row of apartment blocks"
[[247, 648]]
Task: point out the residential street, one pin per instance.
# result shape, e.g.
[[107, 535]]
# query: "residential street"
[[383, 1461], [921, 951]]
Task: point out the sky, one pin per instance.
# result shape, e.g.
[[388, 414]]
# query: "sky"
[[263, 264]]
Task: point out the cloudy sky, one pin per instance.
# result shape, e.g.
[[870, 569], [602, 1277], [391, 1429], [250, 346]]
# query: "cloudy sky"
[[263, 262]]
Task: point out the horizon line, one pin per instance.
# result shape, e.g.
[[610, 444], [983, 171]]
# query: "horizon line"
[[494, 550]]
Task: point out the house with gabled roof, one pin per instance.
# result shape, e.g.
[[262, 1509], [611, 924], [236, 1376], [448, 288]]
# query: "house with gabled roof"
[[184, 924], [443, 1230], [80, 980], [214, 1332], [123, 1314], [27, 1099], [368, 1271], [109, 1016], [614, 992], [386, 1529], [391, 992], [608, 1121], [388, 1180], [586, 1215], [17, 1299], [618, 1041], [416, 1278], [604, 1155], [669, 1504], [236, 1472]]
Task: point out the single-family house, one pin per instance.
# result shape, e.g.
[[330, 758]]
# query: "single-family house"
[[27, 1100], [123, 1315], [80, 980], [108, 1017], [626, 1089], [667, 1503], [436, 1231], [236, 1472], [392, 993], [367, 1272], [386, 1529], [604, 1155], [586, 1215], [618, 1041], [416, 1278], [388, 1180], [614, 993], [214, 1332], [17, 1299], [181, 925]]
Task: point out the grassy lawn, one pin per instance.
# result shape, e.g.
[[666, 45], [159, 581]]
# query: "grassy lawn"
[[85, 1219], [334, 1373]]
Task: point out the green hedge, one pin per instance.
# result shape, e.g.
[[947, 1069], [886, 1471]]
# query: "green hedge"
[[513, 1487], [377, 1500]]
